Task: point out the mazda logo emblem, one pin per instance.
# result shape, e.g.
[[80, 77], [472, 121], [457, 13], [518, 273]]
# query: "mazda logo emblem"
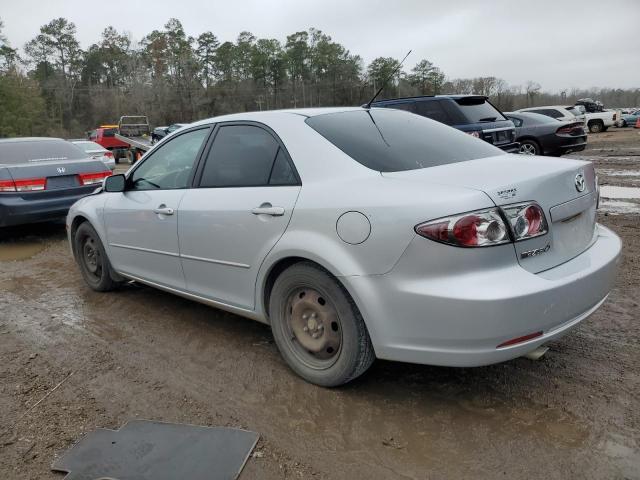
[[61, 169], [580, 182]]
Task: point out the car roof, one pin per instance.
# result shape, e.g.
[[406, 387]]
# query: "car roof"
[[28, 139], [425, 97], [265, 114], [559, 107]]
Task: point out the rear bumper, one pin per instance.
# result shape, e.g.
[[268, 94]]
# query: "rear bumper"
[[510, 147], [34, 207], [460, 319]]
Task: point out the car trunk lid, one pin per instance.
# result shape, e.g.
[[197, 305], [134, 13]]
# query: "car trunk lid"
[[570, 208], [55, 173]]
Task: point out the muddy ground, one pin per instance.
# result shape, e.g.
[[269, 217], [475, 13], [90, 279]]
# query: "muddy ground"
[[141, 353]]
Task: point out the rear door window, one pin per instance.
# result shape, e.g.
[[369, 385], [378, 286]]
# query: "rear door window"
[[433, 109], [246, 156], [389, 141]]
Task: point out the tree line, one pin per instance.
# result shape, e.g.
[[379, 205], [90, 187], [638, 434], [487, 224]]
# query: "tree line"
[[56, 88]]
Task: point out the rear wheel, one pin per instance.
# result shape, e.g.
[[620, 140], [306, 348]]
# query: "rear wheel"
[[92, 259], [530, 147], [317, 326], [596, 127]]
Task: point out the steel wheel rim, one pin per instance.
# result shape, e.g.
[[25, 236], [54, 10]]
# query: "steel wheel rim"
[[527, 149], [313, 328], [91, 257]]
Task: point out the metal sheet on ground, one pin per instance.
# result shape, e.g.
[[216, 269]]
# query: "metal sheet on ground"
[[143, 450]]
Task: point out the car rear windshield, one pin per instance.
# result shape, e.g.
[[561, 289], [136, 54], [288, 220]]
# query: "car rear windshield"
[[478, 109], [389, 140], [38, 151]]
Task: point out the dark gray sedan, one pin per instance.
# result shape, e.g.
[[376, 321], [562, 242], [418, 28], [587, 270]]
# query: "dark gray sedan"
[[543, 135], [40, 178]]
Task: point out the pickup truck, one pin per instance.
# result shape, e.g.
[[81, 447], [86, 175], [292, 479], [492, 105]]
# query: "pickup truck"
[[129, 139], [598, 119]]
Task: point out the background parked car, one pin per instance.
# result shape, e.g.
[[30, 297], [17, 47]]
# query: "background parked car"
[[40, 178], [628, 119], [560, 112], [472, 114], [542, 135], [160, 132], [97, 152]]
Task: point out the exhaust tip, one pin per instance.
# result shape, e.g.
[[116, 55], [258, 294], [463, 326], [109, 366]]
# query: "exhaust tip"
[[537, 353]]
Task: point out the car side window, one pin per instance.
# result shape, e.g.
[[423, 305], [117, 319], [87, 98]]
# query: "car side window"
[[169, 166], [282, 173], [516, 121], [245, 156], [406, 106], [433, 109]]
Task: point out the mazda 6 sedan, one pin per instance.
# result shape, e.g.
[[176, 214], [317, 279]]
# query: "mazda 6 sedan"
[[357, 234]]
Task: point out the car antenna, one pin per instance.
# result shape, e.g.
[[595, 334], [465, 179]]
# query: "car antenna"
[[384, 84]]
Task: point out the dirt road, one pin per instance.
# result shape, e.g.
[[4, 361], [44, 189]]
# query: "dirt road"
[[141, 353]]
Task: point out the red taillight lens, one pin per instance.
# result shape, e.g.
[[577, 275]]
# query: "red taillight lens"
[[30, 184], [91, 178], [574, 128], [7, 186], [524, 338], [527, 220], [485, 228], [476, 229], [108, 154]]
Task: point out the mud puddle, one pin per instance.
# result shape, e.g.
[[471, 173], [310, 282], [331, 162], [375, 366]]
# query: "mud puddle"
[[20, 251]]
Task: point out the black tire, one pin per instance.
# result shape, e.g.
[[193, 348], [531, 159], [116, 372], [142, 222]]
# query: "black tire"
[[92, 259], [604, 129], [355, 352], [530, 147], [596, 127]]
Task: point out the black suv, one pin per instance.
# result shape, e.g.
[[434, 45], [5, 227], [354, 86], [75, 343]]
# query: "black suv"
[[473, 114]]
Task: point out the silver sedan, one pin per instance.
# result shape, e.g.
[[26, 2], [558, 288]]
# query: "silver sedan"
[[357, 234]]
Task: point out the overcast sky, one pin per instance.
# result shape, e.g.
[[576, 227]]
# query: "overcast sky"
[[559, 43]]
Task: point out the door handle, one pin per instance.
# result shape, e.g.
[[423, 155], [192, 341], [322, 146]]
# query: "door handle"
[[163, 210], [268, 209]]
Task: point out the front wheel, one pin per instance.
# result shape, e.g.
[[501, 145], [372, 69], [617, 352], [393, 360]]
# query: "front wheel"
[[529, 147], [317, 326], [92, 259]]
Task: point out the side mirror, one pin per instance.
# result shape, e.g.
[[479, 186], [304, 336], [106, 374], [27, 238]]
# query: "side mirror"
[[114, 183]]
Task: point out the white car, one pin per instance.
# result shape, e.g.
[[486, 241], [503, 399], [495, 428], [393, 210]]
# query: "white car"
[[357, 233], [97, 152], [560, 112]]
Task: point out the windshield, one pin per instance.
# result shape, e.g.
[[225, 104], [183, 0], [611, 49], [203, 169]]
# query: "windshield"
[[478, 109], [389, 140], [25, 151]]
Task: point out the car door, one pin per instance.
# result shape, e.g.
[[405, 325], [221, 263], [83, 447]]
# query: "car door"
[[247, 188], [142, 222]]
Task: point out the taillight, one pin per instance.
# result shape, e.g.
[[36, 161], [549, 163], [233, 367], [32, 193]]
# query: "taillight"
[[484, 228], [7, 186], [91, 178], [569, 129], [30, 184], [476, 229], [108, 154], [527, 220], [473, 134]]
